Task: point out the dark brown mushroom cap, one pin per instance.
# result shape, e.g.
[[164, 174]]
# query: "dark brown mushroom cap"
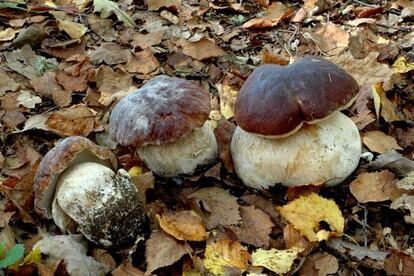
[[163, 110], [68, 152], [276, 100]]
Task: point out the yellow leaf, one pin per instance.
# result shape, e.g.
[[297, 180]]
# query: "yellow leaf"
[[185, 225], [278, 261], [8, 34], [227, 100], [401, 65], [135, 171], [34, 257], [307, 212], [74, 30], [225, 253]]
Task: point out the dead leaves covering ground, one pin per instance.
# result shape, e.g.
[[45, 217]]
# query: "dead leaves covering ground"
[[64, 64]]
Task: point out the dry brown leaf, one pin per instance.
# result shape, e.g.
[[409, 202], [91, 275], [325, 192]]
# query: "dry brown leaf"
[[184, 225], [374, 187], [275, 13], [109, 81], [255, 227], [365, 71], [319, 264], [74, 30], [7, 83], [103, 27], [293, 238], [47, 86], [127, 268], [163, 250], [266, 206], [363, 119], [223, 132], [405, 202], [380, 142], [144, 182], [268, 57], [154, 5], [13, 119], [146, 40], [399, 263], [203, 49], [264, 3], [330, 39], [76, 120], [111, 54], [388, 109], [143, 62], [8, 34], [216, 206], [103, 256]]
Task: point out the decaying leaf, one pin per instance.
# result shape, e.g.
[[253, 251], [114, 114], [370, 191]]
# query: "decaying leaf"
[[383, 106], [404, 202], [108, 7], [184, 225], [163, 250], [378, 141], [402, 66], [223, 254], [319, 264], [307, 212], [72, 249], [154, 5], [375, 186], [216, 206], [203, 49], [7, 83], [74, 30], [394, 161], [278, 261], [275, 13], [27, 99], [399, 263], [255, 227], [330, 39], [407, 183], [110, 53]]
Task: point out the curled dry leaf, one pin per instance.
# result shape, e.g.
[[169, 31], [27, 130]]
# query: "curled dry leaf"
[[255, 227], [375, 186], [306, 213], [225, 253], [378, 141], [278, 261], [216, 206], [184, 225], [163, 250], [76, 120], [203, 49]]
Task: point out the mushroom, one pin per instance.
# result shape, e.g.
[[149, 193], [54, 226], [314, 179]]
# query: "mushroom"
[[290, 128], [165, 120], [75, 184]]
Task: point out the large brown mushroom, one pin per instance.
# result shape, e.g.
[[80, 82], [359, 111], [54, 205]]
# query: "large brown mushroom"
[[290, 128], [76, 185], [165, 120]]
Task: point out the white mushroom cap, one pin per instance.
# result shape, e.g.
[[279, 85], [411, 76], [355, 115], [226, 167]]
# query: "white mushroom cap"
[[328, 151], [183, 156], [105, 206]]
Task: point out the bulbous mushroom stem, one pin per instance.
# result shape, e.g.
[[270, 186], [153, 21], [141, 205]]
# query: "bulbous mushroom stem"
[[327, 152], [105, 206], [183, 156]]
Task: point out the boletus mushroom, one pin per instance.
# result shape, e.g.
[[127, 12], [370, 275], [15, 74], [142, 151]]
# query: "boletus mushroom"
[[290, 128], [76, 185], [165, 120]]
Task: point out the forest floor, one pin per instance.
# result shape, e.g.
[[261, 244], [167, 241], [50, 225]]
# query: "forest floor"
[[65, 63]]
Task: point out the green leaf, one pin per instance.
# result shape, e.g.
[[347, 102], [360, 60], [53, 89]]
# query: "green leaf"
[[107, 8], [12, 256]]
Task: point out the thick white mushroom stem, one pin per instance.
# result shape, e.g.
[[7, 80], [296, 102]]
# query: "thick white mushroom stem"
[[326, 152], [104, 206], [183, 156]]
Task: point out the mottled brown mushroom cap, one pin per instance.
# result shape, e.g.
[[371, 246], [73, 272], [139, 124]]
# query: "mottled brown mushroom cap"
[[163, 110], [276, 100], [66, 153]]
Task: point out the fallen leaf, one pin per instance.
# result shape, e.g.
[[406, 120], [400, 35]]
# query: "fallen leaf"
[[329, 38], [401, 66], [227, 99], [293, 238], [264, 205], [365, 71], [74, 30], [203, 49], [278, 261], [394, 161], [383, 106], [108, 7], [143, 62], [255, 227], [375, 187], [307, 212], [275, 13], [404, 202], [46, 85], [154, 5], [398, 263], [144, 182], [224, 132], [110, 82], [110, 53], [27, 99], [7, 83], [319, 264], [72, 249], [378, 141], [104, 257], [184, 225], [216, 206], [147, 40], [103, 27], [407, 183], [76, 120], [127, 268], [163, 250], [225, 253], [8, 34]]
